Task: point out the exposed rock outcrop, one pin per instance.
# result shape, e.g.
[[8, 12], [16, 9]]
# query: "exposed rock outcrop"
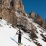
[[9, 16], [32, 15], [8, 9], [15, 4], [37, 19]]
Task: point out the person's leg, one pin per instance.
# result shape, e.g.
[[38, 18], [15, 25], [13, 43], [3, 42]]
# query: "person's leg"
[[19, 39]]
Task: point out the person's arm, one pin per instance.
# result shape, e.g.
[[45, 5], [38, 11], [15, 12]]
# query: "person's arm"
[[17, 32]]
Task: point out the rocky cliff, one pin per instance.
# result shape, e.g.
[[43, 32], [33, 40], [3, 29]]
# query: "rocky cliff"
[[37, 19], [13, 12], [8, 9]]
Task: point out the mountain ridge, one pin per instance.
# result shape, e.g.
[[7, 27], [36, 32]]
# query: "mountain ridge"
[[13, 13], [9, 7]]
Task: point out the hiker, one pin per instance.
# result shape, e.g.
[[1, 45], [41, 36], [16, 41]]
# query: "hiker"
[[19, 36]]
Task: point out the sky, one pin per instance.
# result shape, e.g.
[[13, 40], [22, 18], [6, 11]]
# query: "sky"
[[38, 6]]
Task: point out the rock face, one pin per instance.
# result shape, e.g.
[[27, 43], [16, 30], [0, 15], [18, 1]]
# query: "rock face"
[[8, 9], [37, 19], [9, 16], [15, 4], [18, 5], [0, 7], [32, 15]]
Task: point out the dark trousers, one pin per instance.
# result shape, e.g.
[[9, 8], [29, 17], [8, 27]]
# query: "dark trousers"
[[19, 38]]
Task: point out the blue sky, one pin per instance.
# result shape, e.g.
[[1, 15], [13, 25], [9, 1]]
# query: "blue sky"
[[38, 6]]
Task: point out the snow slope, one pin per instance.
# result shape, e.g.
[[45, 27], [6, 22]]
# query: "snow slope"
[[7, 32], [8, 36], [40, 33]]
